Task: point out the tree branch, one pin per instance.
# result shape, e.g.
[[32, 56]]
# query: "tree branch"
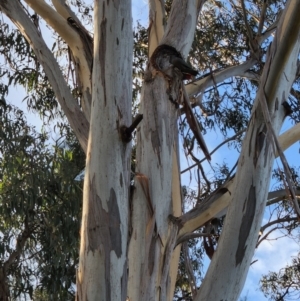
[[278, 195], [156, 24], [74, 36], [181, 37], [216, 204], [201, 85], [289, 137], [268, 32], [267, 234], [55, 20], [277, 221], [262, 18], [72, 110], [249, 31], [214, 150], [21, 240], [284, 43]]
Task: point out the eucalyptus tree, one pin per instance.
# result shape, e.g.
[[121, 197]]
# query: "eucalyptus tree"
[[283, 285], [40, 205], [132, 229]]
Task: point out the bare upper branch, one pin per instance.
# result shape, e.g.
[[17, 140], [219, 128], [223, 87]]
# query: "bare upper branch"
[[156, 23], [201, 85], [73, 35], [72, 110]]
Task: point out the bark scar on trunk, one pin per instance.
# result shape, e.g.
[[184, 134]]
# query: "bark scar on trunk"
[[247, 220], [102, 48], [104, 226], [259, 143]]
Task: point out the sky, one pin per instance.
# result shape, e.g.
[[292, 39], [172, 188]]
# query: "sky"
[[272, 254]]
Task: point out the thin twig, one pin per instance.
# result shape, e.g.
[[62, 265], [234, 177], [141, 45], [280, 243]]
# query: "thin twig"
[[262, 18], [277, 221], [190, 152], [224, 142], [267, 234], [231, 171], [250, 35]]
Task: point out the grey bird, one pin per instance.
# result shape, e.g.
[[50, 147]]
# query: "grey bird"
[[187, 71]]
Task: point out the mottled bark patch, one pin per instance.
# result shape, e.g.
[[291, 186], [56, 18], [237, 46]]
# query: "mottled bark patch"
[[156, 144], [102, 49], [104, 231], [251, 136], [259, 144], [98, 232], [151, 257], [115, 223], [121, 180], [116, 4], [124, 281], [247, 220]]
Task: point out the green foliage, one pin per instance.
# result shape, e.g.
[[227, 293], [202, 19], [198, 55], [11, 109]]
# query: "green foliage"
[[284, 285], [24, 70], [40, 204], [40, 191]]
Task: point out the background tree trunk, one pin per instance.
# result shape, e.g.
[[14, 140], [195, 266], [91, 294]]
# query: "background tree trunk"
[[244, 216], [102, 271]]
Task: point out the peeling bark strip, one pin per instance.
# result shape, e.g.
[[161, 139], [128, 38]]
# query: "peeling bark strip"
[[193, 123], [247, 220], [87, 40]]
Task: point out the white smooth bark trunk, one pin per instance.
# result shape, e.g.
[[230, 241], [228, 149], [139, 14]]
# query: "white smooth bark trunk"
[[155, 143], [157, 20], [152, 259], [102, 271], [243, 220]]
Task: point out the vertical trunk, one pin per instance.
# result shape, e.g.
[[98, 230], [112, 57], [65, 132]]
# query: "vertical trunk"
[[102, 271], [152, 201], [157, 193], [244, 216]]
